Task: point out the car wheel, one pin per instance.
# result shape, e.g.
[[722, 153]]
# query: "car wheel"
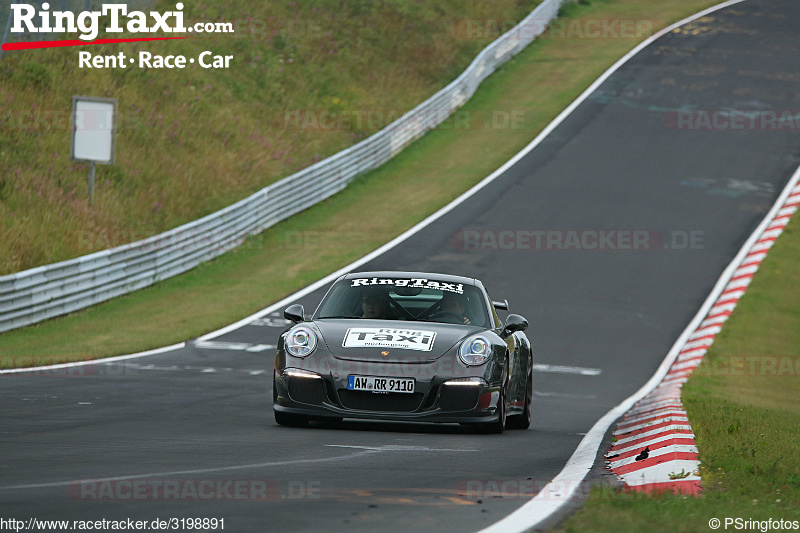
[[523, 420], [290, 419]]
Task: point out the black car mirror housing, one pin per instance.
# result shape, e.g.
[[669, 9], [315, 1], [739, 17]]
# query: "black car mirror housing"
[[295, 313], [514, 323]]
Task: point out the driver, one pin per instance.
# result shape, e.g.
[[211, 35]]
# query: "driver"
[[453, 303], [375, 304]]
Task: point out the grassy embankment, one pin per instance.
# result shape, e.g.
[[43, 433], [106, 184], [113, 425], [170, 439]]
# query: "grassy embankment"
[[743, 405], [194, 140]]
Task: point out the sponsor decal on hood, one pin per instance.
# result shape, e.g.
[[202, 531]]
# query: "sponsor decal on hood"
[[407, 339]]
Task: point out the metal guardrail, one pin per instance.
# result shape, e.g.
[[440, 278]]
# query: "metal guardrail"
[[33, 295]]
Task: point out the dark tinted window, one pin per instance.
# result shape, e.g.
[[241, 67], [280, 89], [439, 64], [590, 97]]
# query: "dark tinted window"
[[415, 299]]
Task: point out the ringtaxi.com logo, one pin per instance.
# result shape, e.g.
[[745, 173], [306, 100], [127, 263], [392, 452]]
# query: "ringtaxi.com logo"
[[24, 18]]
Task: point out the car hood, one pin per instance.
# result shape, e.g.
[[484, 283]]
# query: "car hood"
[[391, 341]]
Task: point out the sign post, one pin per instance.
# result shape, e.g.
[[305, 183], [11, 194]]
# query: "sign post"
[[94, 133]]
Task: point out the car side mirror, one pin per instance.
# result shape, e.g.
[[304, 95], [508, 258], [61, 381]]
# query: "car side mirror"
[[295, 313], [514, 323]]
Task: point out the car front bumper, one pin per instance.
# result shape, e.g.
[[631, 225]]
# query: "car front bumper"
[[456, 394]]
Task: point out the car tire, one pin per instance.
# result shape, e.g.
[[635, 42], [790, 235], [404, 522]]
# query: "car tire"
[[523, 420]]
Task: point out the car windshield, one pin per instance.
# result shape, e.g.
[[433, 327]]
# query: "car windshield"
[[414, 299]]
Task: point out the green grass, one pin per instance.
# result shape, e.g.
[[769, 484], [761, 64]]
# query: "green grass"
[[535, 87], [192, 141], [743, 404]]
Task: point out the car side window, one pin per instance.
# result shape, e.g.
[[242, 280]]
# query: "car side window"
[[396, 299]]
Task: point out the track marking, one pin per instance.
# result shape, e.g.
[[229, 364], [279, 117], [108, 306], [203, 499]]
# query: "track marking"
[[272, 322], [190, 368], [348, 457], [397, 448], [95, 361], [416, 496], [558, 369], [232, 346], [564, 395]]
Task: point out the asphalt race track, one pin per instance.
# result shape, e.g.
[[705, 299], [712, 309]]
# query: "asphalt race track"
[[662, 152]]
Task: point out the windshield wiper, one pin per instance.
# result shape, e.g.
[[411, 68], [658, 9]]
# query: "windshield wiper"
[[340, 316]]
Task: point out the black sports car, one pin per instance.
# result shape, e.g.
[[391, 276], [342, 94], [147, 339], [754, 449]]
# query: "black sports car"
[[405, 346]]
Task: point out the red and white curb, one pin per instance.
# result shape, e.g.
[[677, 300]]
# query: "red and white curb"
[[654, 447]]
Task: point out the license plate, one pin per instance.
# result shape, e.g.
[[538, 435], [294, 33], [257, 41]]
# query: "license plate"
[[380, 384]]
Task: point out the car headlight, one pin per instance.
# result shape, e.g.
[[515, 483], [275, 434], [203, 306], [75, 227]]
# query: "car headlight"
[[475, 350], [300, 341]]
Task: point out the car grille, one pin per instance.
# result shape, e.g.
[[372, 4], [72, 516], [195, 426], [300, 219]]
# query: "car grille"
[[455, 398], [368, 401], [306, 390]]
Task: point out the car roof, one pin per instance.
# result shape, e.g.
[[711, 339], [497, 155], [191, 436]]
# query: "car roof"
[[422, 275]]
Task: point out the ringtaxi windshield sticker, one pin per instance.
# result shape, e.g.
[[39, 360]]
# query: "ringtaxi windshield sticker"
[[406, 339], [415, 283]]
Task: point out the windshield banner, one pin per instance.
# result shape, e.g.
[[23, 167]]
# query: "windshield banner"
[[414, 283]]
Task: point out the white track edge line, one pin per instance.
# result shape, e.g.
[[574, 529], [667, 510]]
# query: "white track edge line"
[[551, 497], [95, 361]]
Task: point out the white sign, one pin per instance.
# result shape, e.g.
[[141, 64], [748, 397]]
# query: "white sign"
[[405, 339], [94, 128]]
